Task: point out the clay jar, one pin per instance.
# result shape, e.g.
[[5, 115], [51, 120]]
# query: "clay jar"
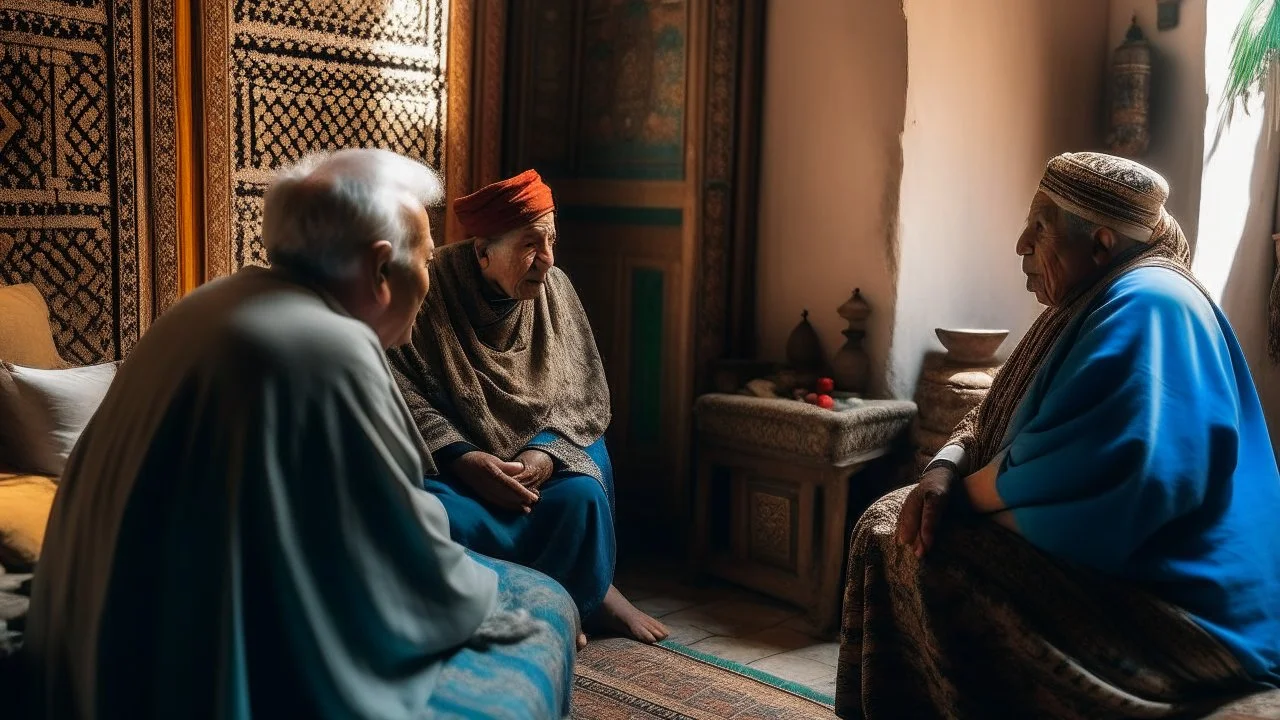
[[952, 384], [804, 349]]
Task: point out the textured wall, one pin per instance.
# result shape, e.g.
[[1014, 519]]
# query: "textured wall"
[[834, 100], [902, 144], [996, 87]]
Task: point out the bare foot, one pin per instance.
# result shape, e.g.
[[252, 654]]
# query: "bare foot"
[[620, 616], [582, 641]]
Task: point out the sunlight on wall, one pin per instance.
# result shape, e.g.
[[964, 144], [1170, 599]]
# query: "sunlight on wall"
[[1235, 255], [410, 115], [1229, 158]]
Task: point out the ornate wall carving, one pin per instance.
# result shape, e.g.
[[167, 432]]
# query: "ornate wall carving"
[[73, 167], [290, 77], [633, 89], [730, 151], [771, 527]]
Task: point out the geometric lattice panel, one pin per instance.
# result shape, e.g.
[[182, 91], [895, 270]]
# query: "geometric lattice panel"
[[303, 76], [773, 525], [69, 205]]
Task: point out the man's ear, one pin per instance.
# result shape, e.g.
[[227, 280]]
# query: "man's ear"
[[1105, 245], [381, 253], [481, 247]]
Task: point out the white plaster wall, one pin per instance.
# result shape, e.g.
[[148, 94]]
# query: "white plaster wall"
[[1235, 256], [831, 160], [996, 87]]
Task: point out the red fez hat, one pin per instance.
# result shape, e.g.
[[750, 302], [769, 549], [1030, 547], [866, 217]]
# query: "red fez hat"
[[504, 205]]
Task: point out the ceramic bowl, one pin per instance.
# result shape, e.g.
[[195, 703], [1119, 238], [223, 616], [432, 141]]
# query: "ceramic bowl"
[[971, 345]]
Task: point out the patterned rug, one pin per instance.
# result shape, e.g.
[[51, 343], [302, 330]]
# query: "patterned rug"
[[618, 678]]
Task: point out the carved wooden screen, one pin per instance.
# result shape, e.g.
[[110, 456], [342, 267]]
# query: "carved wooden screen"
[[136, 138], [282, 78], [78, 168]]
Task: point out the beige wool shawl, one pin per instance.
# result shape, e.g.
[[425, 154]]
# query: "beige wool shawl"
[[495, 372]]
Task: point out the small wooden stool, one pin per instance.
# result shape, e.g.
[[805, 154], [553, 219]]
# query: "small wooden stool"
[[787, 466]]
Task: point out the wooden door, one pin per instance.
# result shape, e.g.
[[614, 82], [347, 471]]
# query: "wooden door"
[[609, 101]]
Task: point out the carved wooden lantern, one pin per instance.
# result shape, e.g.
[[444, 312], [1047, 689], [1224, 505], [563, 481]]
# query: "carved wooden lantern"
[[1130, 95]]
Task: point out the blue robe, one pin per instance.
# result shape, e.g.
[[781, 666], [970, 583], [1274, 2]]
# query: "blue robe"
[[1141, 450], [568, 535]]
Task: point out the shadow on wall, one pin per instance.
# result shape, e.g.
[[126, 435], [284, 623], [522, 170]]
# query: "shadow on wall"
[[1177, 145], [1242, 240]]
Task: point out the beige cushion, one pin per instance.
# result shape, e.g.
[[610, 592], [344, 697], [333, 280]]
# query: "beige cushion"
[[43, 412], [25, 336]]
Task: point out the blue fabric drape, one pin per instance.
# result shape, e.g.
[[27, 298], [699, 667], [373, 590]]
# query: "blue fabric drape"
[[1141, 450]]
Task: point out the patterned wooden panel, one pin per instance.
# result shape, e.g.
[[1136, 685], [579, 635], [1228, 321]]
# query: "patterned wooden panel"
[[633, 89], [597, 281], [542, 91], [772, 525], [291, 77], [72, 199]]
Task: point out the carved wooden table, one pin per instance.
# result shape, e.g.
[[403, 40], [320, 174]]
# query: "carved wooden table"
[[781, 469]]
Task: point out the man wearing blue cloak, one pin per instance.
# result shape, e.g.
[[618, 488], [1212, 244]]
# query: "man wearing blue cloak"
[[1097, 539]]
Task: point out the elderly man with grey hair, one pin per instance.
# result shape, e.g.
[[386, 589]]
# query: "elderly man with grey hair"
[[241, 529]]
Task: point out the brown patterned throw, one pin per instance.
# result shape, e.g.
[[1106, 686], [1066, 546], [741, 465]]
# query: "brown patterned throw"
[[495, 372], [986, 626]]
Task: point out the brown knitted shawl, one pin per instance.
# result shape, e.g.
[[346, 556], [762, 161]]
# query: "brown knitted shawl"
[[496, 372], [982, 431]]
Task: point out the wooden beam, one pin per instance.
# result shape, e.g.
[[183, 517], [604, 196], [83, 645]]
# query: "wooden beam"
[[189, 162]]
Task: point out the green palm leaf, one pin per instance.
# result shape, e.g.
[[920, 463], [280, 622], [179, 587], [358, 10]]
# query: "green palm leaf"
[[1255, 49]]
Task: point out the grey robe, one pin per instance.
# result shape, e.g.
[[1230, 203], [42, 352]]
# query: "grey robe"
[[239, 533]]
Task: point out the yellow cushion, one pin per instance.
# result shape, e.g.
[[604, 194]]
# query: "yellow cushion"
[[25, 501], [25, 336]]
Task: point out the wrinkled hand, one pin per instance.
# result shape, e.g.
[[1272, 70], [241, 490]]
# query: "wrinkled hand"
[[538, 467], [495, 481], [924, 508]]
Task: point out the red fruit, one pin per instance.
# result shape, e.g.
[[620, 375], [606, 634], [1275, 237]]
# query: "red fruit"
[[825, 402], [811, 398], [826, 385]]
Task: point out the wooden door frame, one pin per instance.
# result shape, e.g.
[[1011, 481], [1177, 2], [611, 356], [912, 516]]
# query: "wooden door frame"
[[473, 130]]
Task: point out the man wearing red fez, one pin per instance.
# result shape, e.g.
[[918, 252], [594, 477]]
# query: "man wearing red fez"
[[506, 386]]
